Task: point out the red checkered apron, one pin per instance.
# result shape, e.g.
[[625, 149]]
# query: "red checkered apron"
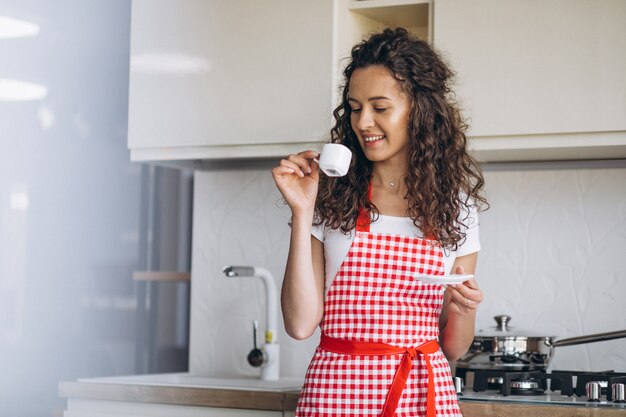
[[379, 330]]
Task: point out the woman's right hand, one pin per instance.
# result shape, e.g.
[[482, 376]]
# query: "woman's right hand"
[[297, 179]]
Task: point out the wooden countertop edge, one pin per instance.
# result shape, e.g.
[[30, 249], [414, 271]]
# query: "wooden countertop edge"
[[191, 396], [500, 409], [286, 401]]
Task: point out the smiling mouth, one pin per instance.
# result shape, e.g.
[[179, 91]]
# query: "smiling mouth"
[[373, 138]]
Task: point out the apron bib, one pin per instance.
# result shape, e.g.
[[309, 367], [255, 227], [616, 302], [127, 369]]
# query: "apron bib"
[[378, 321]]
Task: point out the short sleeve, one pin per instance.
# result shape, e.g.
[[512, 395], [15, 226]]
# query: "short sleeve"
[[317, 231], [471, 243]]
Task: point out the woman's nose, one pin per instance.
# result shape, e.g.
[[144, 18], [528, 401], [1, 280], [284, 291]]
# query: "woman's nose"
[[365, 120]]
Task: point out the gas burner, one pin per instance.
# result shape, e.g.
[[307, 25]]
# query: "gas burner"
[[602, 389], [605, 379], [519, 383], [524, 383], [526, 386]]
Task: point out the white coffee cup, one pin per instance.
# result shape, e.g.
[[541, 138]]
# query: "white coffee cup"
[[335, 159]]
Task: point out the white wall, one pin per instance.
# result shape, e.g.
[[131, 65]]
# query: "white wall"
[[554, 244], [553, 249], [238, 220]]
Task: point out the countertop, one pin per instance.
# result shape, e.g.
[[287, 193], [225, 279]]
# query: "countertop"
[[185, 389]]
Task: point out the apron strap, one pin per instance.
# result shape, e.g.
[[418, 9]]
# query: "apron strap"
[[363, 221], [402, 373]]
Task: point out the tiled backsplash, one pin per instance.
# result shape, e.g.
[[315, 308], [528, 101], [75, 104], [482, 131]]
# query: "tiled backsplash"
[[554, 241]]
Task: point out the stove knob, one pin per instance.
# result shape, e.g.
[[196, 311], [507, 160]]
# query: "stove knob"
[[458, 385], [593, 391], [618, 393]]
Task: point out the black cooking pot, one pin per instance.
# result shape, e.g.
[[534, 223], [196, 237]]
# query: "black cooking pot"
[[503, 347]]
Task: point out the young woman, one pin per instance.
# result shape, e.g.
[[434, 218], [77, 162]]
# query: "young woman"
[[407, 206]]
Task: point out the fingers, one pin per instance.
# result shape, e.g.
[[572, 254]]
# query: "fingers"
[[303, 160], [466, 296], [300, 164], [293, 166], [309, 154], [282, 170], [459, 270], [471, 283], [315, 166], [464, 291], [464, 303]]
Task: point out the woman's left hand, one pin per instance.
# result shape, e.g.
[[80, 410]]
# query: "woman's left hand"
[[465, 297]]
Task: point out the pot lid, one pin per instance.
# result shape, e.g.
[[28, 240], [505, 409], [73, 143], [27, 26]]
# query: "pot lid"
[[502, 329]]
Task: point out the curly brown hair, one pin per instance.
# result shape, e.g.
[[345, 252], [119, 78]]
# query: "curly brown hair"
[[442, 179]]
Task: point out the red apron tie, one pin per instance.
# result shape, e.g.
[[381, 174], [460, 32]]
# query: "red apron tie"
[[363, 220], [348, 347]]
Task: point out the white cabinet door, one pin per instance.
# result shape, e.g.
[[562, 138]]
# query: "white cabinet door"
[[537, 66], [215, 74]]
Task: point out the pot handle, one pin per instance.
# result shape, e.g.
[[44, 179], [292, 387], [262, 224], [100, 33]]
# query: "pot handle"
[[598, 337]]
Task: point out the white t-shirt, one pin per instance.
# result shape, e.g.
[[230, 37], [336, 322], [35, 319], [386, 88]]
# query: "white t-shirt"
[[337, 244]]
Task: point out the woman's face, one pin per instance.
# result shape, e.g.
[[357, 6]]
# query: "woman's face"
[[379, 113]]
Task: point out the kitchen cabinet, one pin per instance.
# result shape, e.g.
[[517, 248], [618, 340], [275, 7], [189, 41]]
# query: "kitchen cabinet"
[[215, 80], [538, 79], [212, 79], [355, 19]]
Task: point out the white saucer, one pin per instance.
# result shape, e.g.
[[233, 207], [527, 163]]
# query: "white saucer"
[[444, 279]]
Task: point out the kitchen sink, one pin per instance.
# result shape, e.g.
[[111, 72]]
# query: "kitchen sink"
[[197, 381]]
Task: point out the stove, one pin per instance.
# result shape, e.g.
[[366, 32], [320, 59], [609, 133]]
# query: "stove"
[[541, 387]]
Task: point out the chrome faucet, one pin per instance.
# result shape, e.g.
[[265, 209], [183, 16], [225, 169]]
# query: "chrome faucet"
[[270, 370]]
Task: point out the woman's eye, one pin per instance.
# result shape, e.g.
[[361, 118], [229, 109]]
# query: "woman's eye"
[[380, 109], [356, 110]]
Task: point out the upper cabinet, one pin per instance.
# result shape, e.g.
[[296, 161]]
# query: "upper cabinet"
[[538, 79], [214, 79], [220, 80], [355, 19]]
